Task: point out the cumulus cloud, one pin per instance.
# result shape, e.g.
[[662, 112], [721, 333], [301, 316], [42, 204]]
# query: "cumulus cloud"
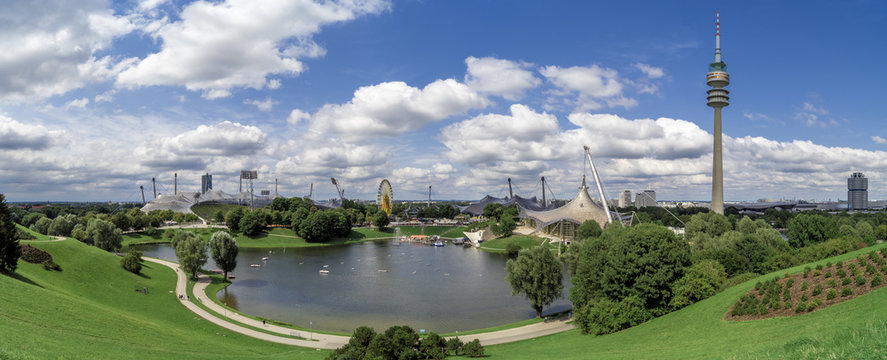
[[18, 136], [671, 155], [77, 103], [392, 108], [590, 88], [219, 46], [879, 140], [505, 78], [264, 105], [650, 71], [348, 161], [814, 116], [53, 48], [296, 116], [189, 150]]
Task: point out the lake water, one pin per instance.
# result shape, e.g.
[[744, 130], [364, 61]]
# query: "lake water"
[[375, 283]]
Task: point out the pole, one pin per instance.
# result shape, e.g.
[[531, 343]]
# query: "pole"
[[600, 189], [175, 182], [143, 194], [154, 184], [717, 182], [429, 195], [510, 193], [544, 204]]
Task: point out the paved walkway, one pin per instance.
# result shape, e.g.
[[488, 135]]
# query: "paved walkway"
[[326, 341]]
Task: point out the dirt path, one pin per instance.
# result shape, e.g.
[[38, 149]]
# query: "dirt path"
[[326, 341]]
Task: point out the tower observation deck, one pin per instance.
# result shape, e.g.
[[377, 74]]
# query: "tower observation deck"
[[718, 97]]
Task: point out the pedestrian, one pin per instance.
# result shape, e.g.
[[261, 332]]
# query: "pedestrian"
[[263, 322]]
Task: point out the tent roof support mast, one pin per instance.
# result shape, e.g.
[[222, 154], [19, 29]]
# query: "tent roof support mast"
[[597, 181]]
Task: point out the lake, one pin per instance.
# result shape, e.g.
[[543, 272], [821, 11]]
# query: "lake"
[[375, 283]]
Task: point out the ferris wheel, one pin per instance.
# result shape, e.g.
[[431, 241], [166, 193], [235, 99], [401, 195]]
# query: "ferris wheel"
[[385, 197]]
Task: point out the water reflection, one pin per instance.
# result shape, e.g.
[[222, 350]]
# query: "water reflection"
[[441, 289]]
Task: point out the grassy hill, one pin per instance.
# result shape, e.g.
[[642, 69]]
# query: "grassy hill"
[[854, 329], [91, 310]]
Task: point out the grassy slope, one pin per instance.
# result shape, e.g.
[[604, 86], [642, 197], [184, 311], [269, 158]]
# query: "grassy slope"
[[91, 310], [40, 237], [498, 245], [208, 210], [853, 329]]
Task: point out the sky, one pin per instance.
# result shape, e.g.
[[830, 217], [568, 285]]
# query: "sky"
[[98, 97]]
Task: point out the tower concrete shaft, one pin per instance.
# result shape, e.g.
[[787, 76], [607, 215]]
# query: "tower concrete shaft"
[[718, 97]]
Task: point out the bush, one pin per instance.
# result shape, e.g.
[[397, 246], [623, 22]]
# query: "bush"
[[832, 283], [34, 255], [803, 285], [512, 249], [51, 266], [876, 280], [603, 316], [700, 281], [860, 281], [831, 294], [132, 262], [473, 349], [846, 291], [802, 307], [841, 273], [817, 289], [828, 274], [846, 281]]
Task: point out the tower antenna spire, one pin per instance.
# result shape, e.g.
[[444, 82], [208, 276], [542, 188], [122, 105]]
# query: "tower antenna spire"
[[718, 37]]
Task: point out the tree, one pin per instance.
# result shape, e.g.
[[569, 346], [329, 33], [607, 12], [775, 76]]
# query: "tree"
[[122, 221], [865, 231], [641, 261], [233, 219], [538, 274], [132, 262], [62, 225], [505, 226], [493, 210], [701, 280], [881, 232], [42, 225], [710, 223], [31, 218], [191, 252], [588, 229], [397, 342], [9, 247], [473, 349], [250, 224], [220, 216], [512, 249], [224, 251], [380, 220], [808, 229], [104, 234]]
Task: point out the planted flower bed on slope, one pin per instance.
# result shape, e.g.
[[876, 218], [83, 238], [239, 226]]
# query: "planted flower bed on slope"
[[815, 288]]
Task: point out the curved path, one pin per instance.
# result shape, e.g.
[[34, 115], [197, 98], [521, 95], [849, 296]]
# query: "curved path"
[[325, 341]]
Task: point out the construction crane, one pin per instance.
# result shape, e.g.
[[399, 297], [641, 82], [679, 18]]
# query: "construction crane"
[[338, 189]]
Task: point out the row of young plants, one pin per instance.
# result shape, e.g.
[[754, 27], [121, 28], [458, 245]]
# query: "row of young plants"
[[774, 296]]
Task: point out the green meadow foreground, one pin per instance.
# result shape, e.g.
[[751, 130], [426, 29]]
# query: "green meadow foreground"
[[90, 309]]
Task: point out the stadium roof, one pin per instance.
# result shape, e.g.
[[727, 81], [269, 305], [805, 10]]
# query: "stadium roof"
[[581, 208]]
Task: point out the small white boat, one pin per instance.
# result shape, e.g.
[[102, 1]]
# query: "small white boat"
[[324, 271], [265, 258], [438, 243], [255, 265], [383, 270], [326, 266]]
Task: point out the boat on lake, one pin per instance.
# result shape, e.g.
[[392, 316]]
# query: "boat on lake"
[[255, 265], [324, 271], [438, 243], [265, 258]]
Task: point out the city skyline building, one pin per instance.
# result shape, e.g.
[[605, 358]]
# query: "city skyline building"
[[206, 183], [625, 199], [717, 78], [857, 191], [645, 198]]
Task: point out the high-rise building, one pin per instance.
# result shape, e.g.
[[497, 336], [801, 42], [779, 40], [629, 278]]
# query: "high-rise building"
[[717, 78], [645, 198], [206, 183], [857, 191], [625, 199]]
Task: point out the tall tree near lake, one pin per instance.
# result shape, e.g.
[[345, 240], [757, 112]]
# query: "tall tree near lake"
[[224, 251], [380, 220], [538, 274], [9, 247], [191, 252], [104, 234]]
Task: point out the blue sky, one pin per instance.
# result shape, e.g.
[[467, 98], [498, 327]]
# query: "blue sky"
[[98, 97]]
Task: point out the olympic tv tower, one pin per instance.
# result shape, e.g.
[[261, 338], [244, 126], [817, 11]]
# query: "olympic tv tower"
[[717, 78]]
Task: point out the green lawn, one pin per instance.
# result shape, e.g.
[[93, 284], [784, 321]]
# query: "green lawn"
[[361, 233], [90, 310], [498, 245], [39, 237], [208, 210], [852, 329]]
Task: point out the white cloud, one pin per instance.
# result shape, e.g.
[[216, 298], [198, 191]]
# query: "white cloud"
[[189, 150], [650, 71], [392, 108], [15, 135], [592, 87], [52, 48], [219, 46], [296, 116], [879, 140], [264, 105], [77, 103], [500, 77], [812, 116]]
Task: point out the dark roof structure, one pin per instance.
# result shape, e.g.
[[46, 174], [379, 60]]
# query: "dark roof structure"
[[477, 209]]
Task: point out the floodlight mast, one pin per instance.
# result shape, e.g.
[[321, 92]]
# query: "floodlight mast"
[[543, 193], [154, 184], [600, 189]]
